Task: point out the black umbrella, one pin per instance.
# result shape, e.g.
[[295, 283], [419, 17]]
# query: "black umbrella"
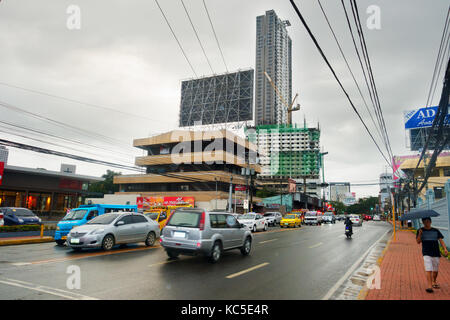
[[419, 214]]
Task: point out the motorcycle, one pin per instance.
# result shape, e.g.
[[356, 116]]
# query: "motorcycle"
[[348, 232]]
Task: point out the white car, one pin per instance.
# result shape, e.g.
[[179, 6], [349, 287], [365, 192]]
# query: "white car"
[[254, 221], [376, 217], [356, 220]]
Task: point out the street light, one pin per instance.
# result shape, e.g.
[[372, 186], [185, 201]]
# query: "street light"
[[323, 171]]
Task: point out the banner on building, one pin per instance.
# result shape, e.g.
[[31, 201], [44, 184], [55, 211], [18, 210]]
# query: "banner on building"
[[421, 118], [148, 202], [2, 167]]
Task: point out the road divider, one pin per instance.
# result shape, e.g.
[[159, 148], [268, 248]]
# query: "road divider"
[[237, 274]]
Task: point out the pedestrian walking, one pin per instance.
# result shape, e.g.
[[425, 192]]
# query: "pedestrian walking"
[[430, 238]]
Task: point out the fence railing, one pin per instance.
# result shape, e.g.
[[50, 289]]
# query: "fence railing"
[[441, 206]]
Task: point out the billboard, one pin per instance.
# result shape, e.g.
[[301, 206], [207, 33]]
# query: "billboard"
[[148, 202], [217, 99], [421, 118]]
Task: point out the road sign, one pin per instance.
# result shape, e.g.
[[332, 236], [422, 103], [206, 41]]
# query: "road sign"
[[245, 204]]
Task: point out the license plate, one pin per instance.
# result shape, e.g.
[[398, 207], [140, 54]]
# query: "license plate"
[[74, 240], [178, 234]]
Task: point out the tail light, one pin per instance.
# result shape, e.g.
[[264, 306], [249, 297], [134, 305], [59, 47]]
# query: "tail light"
[[202, 222]]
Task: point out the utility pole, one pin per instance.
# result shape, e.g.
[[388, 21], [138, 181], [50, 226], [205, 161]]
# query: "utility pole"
[[230, 196]]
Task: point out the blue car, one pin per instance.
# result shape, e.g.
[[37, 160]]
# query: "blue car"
[[83, 214], [19, 216]]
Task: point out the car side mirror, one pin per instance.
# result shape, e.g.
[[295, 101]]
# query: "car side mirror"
[[241, 225], [120, 223]]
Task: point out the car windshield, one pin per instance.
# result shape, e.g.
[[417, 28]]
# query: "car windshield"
[[75, 215], [188, 219], [106, 218], [22, 212], [247, 216], [289, 216]]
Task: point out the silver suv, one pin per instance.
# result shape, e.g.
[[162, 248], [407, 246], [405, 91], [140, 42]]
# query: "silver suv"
[[192, 231]]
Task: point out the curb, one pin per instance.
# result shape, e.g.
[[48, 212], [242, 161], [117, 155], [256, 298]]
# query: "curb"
[[365, 291], [25, 241]]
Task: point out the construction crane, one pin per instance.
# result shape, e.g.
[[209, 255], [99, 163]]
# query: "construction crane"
[[290, 108]]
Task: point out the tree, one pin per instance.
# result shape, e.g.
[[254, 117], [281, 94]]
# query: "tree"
[[338, 206], [265, 193], [106, 186], [364, 206]]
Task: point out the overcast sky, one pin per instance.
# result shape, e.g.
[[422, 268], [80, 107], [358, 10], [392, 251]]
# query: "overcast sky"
[[125, 58]]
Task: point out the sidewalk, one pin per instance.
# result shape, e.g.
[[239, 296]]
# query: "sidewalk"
[[24, 240], [403, 274]]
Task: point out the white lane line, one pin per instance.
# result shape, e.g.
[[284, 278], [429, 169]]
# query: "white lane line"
[[53, 291], [20, 263], [268, 240], [316, 245], [351, 270], [237, 274]]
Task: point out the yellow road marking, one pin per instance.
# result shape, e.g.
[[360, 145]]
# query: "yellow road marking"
[[237, 274]]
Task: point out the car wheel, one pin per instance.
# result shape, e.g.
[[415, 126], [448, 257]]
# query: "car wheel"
[[108, 242], [247, 247], [150, 241], [254, 228], [172, 255], [216, 252], [60, 242]]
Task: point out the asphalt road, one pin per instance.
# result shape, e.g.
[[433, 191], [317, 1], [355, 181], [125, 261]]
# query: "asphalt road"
[[301, 263]]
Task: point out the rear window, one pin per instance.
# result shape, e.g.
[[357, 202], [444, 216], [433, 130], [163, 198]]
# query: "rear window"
[[152, 215], [188, 219], [21, 212]]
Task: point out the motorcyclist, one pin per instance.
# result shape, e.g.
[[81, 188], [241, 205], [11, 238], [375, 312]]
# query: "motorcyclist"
[[349, 223]]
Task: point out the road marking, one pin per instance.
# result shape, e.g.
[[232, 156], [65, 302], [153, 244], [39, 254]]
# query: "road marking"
[[268, 240], [53, 291], [20, 263], [88, 255], [316, 245], [237, 274], [351, 270]]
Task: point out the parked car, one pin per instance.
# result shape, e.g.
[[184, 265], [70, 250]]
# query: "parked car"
[[109, 229], [273, 218], [376, 217], [254, 221], [193, 231], [329, 217], [1, 217], [19, 216], [291, 220], [356, 219]]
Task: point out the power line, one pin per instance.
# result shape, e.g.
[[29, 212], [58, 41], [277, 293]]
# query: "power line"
[[349, 69], [215, 35], [174, 35], [196, 34], [28, 147], [371, 77], [141, 117], [63, 125], [336, 77]]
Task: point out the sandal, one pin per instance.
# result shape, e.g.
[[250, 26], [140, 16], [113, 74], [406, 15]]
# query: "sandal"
[[436, 286], [429, 290]]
